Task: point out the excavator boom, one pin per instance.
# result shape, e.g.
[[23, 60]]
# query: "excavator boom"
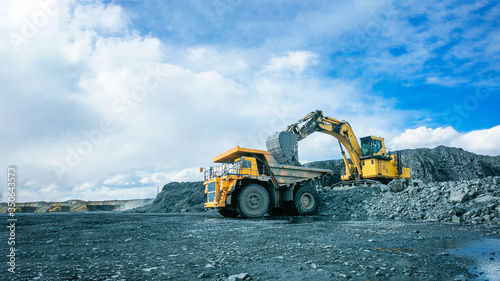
[[283, 147]]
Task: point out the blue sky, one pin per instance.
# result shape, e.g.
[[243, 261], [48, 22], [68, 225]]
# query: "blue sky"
[[409, 52], [110, 99]]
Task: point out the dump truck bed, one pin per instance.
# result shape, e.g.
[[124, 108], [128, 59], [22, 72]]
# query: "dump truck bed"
[[286, 175]]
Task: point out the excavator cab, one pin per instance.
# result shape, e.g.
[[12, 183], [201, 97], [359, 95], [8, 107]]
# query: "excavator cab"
[[371, 146]]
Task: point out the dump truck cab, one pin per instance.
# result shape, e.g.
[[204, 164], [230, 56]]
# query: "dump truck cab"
[[237, 164], [246, 166]]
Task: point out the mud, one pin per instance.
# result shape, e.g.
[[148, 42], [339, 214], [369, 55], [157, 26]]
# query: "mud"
[[205, 246]]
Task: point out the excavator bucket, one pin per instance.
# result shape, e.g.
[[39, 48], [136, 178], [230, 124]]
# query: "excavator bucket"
[[284, 148]]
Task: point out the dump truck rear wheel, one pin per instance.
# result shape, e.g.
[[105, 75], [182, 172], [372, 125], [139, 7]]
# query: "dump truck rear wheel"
[[227, 213], [253, 201], [306, 201]]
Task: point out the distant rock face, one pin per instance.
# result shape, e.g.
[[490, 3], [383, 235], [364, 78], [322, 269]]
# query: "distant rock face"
[[438, 164], [449, 164], [177, 197]]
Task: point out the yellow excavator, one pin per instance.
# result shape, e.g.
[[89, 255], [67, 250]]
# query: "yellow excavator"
[[370, 161]]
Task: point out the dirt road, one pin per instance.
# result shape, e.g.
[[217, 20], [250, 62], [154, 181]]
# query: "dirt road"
[[127, 246]]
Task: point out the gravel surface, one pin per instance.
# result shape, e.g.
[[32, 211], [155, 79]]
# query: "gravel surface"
[[132, 246]]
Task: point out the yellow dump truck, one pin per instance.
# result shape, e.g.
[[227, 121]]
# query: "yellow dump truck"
[[250, 183]]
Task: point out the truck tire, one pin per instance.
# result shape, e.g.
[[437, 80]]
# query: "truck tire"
[[306, 201], [253, 201], [227, 213]]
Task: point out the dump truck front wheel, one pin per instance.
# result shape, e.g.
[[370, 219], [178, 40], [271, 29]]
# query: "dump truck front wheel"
[[306, 201], [227, 213], [253, 201]]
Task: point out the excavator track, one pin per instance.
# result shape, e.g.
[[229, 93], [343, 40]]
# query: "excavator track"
[[283, 146]]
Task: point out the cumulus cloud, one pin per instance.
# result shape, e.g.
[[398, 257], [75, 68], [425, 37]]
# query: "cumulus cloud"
[[424, 137], [485, 141], [114, 116], [293, 62]]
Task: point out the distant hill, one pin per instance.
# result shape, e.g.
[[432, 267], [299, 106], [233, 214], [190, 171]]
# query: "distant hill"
[[438, 164], [177, 197]]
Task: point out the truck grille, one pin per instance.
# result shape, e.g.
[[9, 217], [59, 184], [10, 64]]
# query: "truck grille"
[[211, 197], [211, 192]]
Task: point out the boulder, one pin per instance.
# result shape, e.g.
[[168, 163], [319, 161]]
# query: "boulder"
[[459, 211], [458, 196], [235, 277], [398, 185], [486, 199], [384, 188]]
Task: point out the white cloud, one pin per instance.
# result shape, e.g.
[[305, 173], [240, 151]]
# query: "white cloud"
[[111, 193], [104, 18], [424, 137], [118, 179], [445, 81], [294, 62], [485, 141]]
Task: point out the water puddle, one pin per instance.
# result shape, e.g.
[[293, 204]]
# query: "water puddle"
[[485, 254]]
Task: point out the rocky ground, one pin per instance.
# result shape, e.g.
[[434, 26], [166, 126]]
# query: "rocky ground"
[[205, 246], [468, 201]]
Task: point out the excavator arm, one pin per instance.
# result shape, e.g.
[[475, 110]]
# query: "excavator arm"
[[369, 161], [282, 146]]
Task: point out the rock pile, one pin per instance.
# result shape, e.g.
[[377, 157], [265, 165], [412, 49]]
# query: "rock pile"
[[449, 164], [471, 201]]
